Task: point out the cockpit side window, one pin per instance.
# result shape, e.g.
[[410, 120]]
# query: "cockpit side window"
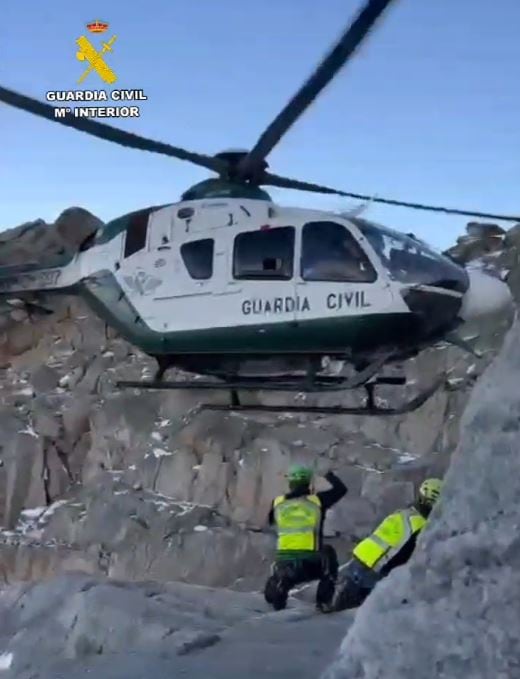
[[198, 258], [136, 231], [330, 253], [265, 254], [408, 260]]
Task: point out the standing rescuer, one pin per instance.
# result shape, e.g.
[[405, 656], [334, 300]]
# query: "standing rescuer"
[[299, 516], [390, 545]]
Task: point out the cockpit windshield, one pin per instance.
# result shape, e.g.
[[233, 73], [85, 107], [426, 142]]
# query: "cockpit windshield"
[[409, 260]]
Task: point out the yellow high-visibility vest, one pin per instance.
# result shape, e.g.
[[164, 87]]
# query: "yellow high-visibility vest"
[[389, 538], [298, 522]]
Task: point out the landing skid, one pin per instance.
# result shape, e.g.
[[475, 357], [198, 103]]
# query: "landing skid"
[[285, 383], [370, 407], [310, 382]]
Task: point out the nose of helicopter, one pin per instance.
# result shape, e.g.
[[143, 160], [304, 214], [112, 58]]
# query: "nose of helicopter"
[[486, 295]]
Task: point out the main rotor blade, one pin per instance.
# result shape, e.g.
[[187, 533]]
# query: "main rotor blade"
[[107, 132], [328, 68], [269, 179]]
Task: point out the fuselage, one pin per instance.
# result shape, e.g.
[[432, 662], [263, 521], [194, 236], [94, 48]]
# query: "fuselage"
[[220, 281]]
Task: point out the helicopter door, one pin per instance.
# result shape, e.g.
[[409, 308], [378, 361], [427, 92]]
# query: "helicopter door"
[[160, 226], [139, 278], [336, 276]]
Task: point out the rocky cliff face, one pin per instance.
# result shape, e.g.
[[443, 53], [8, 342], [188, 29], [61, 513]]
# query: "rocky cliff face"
[[138, 485], [454, 610]]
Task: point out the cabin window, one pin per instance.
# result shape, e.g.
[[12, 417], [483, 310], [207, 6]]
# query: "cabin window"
[[198, 258], [330, 253], [136, 233], [265, 254]]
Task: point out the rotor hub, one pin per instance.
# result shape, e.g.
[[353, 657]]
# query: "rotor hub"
[[233, 158]]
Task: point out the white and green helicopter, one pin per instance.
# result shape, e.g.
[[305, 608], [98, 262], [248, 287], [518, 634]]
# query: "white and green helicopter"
[[228, 285]]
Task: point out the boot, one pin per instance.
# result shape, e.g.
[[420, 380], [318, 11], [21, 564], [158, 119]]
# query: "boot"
[[276, 592], [325, 594]]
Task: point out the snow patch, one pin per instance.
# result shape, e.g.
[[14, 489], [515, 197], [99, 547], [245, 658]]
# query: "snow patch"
[[52, 508], [6, 660], [160, 504], [156, 436], [27, 391], [200, 528], [455, 381], [406, 457], [368, 469], [29, 430], [65, 380], [34, 518], [35, 512], [160, 452]]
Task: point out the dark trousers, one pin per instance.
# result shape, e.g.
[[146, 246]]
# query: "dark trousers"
[[287, 574], [354, 585]]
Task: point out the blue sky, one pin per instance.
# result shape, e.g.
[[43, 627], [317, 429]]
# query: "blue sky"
[[428, 110]]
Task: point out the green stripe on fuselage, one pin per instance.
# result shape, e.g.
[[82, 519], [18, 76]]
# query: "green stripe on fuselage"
[[324, 335]]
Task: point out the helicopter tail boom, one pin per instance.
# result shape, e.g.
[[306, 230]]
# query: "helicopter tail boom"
[[32, 278]]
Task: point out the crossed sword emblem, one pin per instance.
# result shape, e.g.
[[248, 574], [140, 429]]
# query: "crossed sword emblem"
[[88, 52]]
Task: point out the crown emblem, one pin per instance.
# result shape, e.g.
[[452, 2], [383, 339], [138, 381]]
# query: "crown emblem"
[[97, 26]]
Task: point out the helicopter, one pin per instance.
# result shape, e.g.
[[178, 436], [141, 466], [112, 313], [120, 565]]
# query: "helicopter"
[[230, 286]]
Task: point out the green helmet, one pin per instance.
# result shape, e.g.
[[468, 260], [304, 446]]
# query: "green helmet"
[[429, 491], [298, 475]]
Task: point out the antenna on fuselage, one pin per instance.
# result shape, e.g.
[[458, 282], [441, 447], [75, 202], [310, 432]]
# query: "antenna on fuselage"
[[359, 209]]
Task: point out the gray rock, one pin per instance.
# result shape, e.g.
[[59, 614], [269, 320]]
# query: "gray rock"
[[484, 230], [118, 629], [76, 418], [387, 495], [454, 609], [74, 225], [46, 421], [144, 534], [512, 237], [37, 241], [25, 485], [44, 379], [30, 560]]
